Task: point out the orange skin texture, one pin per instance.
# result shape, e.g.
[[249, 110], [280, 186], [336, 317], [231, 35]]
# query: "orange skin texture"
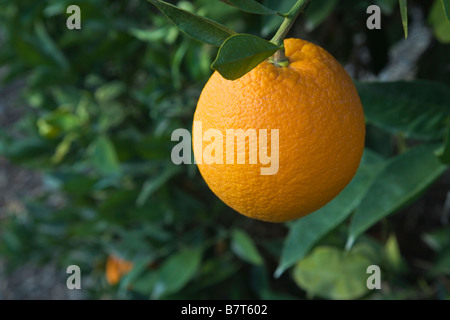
[[315, 105]]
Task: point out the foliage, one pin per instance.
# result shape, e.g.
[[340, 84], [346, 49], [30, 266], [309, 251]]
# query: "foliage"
[[104, 101]]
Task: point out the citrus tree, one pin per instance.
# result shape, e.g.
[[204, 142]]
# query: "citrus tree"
[[101, 105]]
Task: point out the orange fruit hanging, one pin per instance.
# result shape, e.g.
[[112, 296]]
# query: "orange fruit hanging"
[[316, 109], [116, 268]]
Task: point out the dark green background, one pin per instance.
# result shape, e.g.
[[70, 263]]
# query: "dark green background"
[[97, 107]]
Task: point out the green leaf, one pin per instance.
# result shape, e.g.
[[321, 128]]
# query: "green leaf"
[[50, 47], [446, 7], [333, 274], [438, 239], [28, 50], [110, 91], [133, 278], [443, 153], [404, 14], [305, 232], [438, 18], [217, 269], [392, 252], [153, 35], [143, 285], [417, 109], [241, 53], [152, 185], [104, 156], [57, 122], [176, 63], [250, 6], [176, 272], [244, 247], [195, 26], [63, 147], [402, 180], [318, 11]]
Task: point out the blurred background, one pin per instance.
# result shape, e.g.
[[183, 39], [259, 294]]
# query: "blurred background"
[[86, 118]]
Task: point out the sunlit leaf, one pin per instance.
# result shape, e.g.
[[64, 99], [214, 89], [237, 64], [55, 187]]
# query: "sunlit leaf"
[[439, 20], [63, 148], [404, 14], [392, 252], [333, 273]]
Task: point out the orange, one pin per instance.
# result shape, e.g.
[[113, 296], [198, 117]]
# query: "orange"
[[116, 268], [315, 107]]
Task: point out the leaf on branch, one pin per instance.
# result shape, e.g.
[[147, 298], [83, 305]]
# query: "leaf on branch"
[[400, 183], [244, 247], [443, 153], [195, 26], [439, 19], [404, 14], [304, 233], [423, 106], [241, 53], [332, 273], [250, 6]]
